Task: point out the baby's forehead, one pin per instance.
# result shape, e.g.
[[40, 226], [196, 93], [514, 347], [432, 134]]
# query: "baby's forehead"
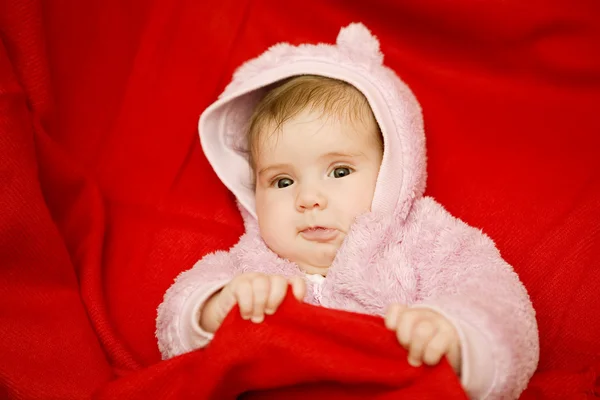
[[355, 124], [315, 135], [330, 101]]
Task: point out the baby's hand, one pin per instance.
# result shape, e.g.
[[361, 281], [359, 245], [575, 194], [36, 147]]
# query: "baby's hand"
[[426, 334], [256, 295]]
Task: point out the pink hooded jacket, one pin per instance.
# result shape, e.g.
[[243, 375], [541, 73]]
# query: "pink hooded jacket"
[[407, 250]]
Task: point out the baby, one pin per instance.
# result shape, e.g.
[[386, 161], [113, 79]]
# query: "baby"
[[324, 149], [315, 148]]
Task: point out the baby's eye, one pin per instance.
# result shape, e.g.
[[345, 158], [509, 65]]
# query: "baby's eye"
[[283, 183], [341, 172]]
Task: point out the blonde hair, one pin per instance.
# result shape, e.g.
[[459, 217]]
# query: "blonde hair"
[[292, 96]]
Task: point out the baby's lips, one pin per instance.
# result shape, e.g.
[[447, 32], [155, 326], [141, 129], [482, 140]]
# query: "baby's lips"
[[319, 234]]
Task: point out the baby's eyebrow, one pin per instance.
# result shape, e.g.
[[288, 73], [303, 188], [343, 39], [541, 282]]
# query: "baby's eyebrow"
[[264, 170], [337, 154]]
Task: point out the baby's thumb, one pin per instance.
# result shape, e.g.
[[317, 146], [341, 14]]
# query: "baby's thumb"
[[298, 287], [226, 300]]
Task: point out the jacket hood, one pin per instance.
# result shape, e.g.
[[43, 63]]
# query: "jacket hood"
[[354, 58]]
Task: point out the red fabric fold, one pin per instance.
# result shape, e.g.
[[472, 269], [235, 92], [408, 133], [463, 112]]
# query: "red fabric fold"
[[105, 195], [301, 352], [48, 346]]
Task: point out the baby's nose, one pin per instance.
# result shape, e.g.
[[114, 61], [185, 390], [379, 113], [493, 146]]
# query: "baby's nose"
[[310, 198]]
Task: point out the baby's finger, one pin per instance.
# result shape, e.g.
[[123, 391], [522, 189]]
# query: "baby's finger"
[[244, 298], [279, 286], [422, 333], [437, 347], [392, 316], [407, 319], [298, 287], [260, 291], [226, 299]]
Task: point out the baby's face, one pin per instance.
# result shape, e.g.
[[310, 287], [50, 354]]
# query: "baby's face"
[[312, 180]]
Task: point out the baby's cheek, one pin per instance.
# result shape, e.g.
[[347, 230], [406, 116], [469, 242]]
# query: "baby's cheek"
[[273, 238], [270, 206], [275, 227], [362, 199]]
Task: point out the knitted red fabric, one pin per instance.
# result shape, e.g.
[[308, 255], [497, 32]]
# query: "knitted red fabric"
[[301, 352], [105, 195]]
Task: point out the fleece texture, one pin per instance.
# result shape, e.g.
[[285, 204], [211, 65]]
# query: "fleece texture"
[[407, 250]]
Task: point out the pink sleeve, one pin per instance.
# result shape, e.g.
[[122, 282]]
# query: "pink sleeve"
[[177, 324], [192, 336], [478, 373], [462, 274]]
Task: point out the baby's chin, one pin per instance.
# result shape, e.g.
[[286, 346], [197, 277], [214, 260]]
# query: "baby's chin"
[[318, 263]]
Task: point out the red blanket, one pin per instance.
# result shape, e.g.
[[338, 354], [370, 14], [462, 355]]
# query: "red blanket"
[[105, 195], [301, 352]]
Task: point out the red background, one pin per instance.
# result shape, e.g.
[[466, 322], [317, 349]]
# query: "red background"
[[105, 195]]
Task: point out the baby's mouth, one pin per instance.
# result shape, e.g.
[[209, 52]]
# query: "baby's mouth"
[[319, 234]]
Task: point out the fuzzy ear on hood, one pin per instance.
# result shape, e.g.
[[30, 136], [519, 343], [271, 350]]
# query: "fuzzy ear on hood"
[[356, 59]]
